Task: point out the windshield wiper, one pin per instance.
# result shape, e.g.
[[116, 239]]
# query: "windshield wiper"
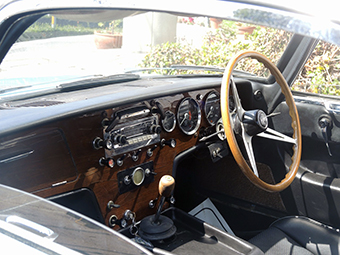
[[138, 70], [14, 88], [177, 67], [100, 81], [209, 68], [215, 69], [198, 68]]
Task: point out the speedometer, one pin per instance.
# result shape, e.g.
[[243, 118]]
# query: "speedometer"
[[189, 116], [212, 107]]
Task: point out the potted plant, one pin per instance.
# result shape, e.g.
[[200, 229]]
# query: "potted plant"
[[215, 22], [244, 28], [109, 37]]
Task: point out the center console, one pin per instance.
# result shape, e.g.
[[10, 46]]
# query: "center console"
[[194, 236], [176, 232]]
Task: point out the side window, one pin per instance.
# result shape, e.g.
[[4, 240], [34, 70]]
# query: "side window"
[[321, 73]]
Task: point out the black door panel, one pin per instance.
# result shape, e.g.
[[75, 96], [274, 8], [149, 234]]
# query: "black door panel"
[[321, 195], [316, 190]]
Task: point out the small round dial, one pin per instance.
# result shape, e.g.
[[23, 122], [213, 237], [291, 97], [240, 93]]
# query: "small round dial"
[[189, 116], [169, 121], [138, 176], [212, 107]]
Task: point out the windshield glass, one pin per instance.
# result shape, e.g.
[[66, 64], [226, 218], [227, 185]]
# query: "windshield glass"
[[61, 47]]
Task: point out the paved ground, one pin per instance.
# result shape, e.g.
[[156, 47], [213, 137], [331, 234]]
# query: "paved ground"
[[77, 55], [65, 55]]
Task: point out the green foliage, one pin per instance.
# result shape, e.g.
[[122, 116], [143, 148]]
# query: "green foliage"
[[167, 54], [44, 27], [219, 47], [321, 73], [45, 30], [113, 27]]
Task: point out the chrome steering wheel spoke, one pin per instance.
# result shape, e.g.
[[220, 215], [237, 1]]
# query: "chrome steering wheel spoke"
[[238, 106], [247, 140], [238, 113], [275, 135]]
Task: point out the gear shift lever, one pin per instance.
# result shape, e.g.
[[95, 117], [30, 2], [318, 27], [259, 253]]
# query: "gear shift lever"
[[158, 227], [165, 187]]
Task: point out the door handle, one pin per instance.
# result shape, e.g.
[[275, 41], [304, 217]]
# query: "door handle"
[[325, 123]]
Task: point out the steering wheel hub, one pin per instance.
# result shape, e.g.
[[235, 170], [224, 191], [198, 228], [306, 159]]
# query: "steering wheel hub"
[[255, 122]]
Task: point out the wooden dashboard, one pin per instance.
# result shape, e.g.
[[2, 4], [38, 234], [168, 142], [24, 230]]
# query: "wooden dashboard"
[[58, 157]]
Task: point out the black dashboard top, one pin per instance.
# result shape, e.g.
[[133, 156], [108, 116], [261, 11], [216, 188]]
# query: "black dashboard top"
[[16, 118]]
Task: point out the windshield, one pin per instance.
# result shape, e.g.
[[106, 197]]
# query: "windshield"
[[60, 47]]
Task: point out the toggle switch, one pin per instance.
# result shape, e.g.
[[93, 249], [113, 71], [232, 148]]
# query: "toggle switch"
[[150, 151], [120, 161]]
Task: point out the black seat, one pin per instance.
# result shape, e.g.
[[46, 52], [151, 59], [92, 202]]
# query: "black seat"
[[298, 235]]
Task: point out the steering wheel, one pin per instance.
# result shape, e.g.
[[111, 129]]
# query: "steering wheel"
[[252, 123]]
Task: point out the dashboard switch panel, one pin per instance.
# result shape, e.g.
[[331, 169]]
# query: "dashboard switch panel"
[[136, 176]]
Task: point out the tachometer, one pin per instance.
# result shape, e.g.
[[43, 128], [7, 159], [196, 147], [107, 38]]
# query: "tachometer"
[[169, 121], [189, 116], [212, 107]]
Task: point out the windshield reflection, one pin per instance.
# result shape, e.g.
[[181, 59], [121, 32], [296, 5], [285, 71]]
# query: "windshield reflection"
[[57, 49]]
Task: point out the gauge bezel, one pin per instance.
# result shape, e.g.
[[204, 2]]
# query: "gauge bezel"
[[133, 175], [173, 124], [205, 105], [199, 116]]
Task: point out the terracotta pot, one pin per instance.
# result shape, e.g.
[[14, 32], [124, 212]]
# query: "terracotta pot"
[[243, 30], [215, 23], [107, 41]]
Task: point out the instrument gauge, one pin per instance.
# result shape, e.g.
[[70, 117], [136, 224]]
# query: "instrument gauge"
[[212, 107], [189, 116], [138, 176], [169, 121]]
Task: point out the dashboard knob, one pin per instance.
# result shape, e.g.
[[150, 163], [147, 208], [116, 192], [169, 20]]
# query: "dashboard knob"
[[107, 162], [155, 129], [105, 122], [100, 143], [171, 142], [120, 139]]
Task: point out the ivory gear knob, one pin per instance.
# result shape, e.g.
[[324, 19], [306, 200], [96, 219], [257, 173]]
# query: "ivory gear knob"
[[166, 185]]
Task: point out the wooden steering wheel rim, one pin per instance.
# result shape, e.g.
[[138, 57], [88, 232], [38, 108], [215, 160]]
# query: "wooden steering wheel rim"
[[230, 133]]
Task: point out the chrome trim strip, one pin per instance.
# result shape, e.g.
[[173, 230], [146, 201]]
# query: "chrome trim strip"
[[17, 157]]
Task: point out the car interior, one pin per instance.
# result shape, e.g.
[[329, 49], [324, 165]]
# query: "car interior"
[[225, 163]]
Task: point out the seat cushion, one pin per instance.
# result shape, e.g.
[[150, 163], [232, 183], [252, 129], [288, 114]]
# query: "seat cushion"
[[298, 235]]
